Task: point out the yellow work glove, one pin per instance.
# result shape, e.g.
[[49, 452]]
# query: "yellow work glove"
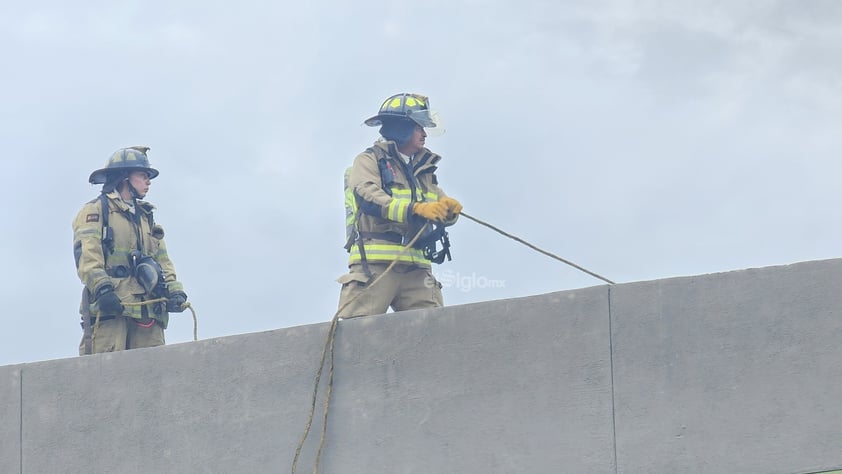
[[434, 211], [453, 207]]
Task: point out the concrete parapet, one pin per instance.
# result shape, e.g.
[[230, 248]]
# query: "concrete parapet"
[[729, 372]]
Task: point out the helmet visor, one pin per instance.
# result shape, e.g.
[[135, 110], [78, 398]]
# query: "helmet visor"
[[430, 120], [425, 118]]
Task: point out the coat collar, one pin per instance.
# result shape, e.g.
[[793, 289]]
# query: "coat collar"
[[422, 160], [118, 201]]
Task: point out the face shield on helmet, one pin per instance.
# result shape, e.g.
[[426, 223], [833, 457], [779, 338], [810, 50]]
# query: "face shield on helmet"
[[415, 107], [433, 127]]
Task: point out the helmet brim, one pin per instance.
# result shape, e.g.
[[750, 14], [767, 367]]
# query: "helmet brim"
[[100, 176], [423, 119], [375, 121]]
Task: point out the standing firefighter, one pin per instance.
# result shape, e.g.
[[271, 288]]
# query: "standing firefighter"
[[392, 195], [122, 260]]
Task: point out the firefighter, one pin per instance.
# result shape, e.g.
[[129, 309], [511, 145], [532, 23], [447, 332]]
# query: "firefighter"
[[122, 260], [392, 196]]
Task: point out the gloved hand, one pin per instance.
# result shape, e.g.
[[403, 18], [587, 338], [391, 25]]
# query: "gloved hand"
[[108, 301], [453, 207], [434, 211], [175, 302]]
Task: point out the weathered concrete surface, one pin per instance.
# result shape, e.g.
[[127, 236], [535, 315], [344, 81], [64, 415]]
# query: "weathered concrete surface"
[[723, 373], [10, 428], [507, 386], [732, 372], [233, 404]]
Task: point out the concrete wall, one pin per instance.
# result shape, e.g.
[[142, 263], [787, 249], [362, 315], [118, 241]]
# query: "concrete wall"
[[736, 372], [10, 411], [732, 372]]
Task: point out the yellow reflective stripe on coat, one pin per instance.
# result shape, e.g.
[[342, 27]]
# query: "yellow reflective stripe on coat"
[[401, 193], [86, 231], [397, 210], [387, 252]]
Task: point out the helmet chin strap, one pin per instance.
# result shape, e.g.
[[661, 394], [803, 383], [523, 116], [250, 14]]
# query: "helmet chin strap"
[[132, 190]]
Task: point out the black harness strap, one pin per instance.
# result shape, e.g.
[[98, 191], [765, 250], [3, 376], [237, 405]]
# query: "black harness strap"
[[107, 233], [381, 161], [428, 244], [87, 324], [392, 237]]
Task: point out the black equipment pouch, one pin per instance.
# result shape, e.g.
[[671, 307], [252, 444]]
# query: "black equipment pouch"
[[387, 177], [439, 256], [434, 233]]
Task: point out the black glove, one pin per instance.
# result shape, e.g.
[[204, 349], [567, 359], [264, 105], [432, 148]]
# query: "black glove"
[[177, 298], [108, 301]]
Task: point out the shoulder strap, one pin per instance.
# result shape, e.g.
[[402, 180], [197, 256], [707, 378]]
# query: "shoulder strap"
[[387, 177], [107, 233], [381, 165], [378, 152], [148, 209], [105, 210]]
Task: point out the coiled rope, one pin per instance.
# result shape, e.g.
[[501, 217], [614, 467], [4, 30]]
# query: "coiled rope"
[[331, 337]]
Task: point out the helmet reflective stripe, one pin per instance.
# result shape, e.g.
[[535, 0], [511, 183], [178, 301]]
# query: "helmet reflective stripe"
[[403, 102], [412, 101], [127, 155]]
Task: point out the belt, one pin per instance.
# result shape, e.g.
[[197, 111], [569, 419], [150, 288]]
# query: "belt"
[[93, 320], [393, 237]]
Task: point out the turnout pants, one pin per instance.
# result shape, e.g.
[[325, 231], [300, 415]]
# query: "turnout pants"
[[122, 333], [404, 287]]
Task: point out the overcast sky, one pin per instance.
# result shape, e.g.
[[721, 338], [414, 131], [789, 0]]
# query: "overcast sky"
[[639, 139]]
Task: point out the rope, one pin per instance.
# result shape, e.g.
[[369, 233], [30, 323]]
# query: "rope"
[[331, 337], [329, 346], [195, 321], [551, 255], [184, 306]]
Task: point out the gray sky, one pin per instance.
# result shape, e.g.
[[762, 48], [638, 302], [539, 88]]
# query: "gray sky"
[[639, 139]]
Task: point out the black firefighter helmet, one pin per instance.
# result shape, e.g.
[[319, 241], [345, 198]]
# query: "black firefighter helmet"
[[404, 106], [125, 160]]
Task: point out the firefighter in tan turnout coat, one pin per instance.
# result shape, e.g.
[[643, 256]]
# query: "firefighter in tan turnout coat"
[[391, 193], [122, 260]]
